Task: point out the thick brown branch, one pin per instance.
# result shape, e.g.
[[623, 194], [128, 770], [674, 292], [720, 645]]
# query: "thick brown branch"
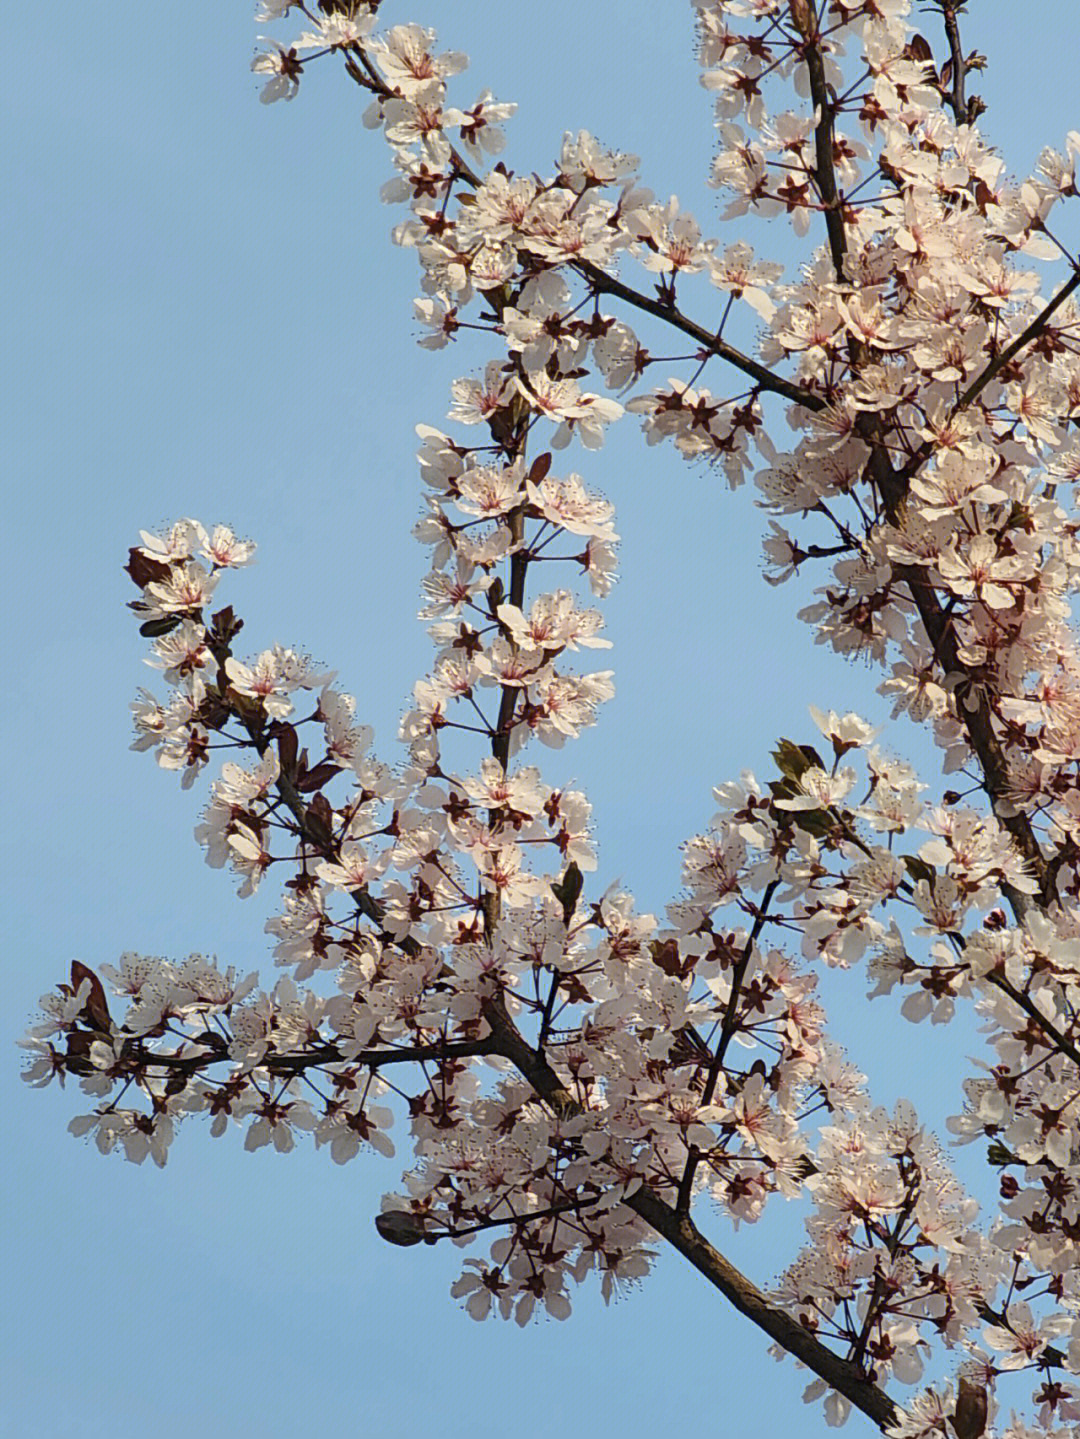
[[678, 1229], [840, 1374]]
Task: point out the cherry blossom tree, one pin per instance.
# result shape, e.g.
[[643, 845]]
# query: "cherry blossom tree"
[[584, 1084]]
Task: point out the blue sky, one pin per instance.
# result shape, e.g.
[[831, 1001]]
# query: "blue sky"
[[203, 316]]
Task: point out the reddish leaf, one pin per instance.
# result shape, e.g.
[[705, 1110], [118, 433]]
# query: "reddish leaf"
[[287, 746], [539, 467], [143, 570], [224, 626], [320, 820], [969, 1420], [665, 956], [317, 777], [77, 1052], [96, 1008]]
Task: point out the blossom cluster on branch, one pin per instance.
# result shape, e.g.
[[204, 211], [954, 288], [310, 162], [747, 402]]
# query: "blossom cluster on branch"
[[574, 1074]]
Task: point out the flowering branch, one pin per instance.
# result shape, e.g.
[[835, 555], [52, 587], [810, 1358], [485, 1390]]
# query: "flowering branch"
[[845, 1377], [955, 72], [576, 1074]]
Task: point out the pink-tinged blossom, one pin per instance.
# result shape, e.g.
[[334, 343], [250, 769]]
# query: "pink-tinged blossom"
[[183, 651], [176, 545], [405, 56], [284, 70], [486, 491], [567, 504], [553, 624], [493, 788], [737, 273], [354, 869], [479, 125], [270, 679], [694, 1049], [188, 588], [223, 549], [337, 31], [476, 402], [350, 1126], [422, 120], [819, 789], [502, 872], [564, 705], [1020, 1339], [981, 570], [668, 242], [573, 411], [600, 563]]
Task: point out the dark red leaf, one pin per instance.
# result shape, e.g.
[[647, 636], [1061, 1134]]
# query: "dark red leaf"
[[969, 1418], [320, 821], [143, 570], [224, 626], [317, 777], [96, 1008], [665, 955], [539, 467], [287, 746]]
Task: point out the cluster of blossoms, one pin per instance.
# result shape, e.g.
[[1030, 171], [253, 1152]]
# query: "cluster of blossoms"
[[580, 1072]]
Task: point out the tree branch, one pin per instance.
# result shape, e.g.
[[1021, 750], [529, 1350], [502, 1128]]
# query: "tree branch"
[[763, 377], [728, 1026], [959, 68], [322, 1054], [978, 723], [823, 173], [892, 484], [678, 1229], [601, 282], [996, 365]]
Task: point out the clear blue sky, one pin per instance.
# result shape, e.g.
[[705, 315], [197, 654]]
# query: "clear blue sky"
[[203, 316]]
